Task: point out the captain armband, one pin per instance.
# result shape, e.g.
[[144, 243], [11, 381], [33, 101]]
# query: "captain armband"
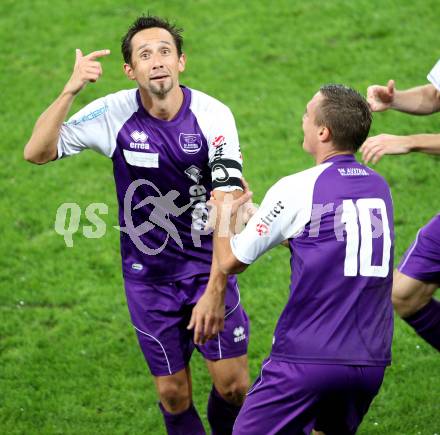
[[226, 173]]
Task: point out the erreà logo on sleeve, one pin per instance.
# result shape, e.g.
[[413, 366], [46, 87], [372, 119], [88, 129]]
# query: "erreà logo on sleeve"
[[263, 227]]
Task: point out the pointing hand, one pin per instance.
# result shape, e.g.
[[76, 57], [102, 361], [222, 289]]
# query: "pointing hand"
[[86, 69]]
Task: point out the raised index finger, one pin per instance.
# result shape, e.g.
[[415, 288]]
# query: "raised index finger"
[[97, 54]]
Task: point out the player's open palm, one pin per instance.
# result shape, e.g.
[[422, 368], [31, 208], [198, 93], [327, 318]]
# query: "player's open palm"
[[376, 146], [86, 69], [380, 98]]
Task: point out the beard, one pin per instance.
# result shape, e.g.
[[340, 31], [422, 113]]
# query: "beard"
[[161, 89]]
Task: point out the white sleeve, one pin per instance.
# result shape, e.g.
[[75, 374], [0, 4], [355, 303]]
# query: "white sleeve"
[[96, 125], [225, 157], [434, 75], [218, 127], [285, 211]]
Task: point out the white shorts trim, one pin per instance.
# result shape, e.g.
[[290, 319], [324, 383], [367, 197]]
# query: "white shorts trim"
[[238, 303], [160, 344], [226, 316], [410, 252], [261, 379]]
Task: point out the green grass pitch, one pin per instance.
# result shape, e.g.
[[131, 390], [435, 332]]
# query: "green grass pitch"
[[69, 359]]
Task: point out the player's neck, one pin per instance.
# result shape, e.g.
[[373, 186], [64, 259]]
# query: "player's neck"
[[165, 108], [323, 156]]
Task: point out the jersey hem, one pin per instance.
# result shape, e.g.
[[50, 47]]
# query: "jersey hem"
[[427, 277], [336, 361], [165, 279]]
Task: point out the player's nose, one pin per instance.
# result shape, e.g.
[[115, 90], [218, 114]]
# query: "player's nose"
[[157, 62]]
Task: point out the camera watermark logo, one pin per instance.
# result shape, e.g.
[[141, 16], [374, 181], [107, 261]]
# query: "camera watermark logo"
[[68, 218], [163, 208], [157, 219]]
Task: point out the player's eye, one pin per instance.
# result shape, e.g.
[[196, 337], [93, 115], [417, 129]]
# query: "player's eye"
[[145, 55], [166, 51]]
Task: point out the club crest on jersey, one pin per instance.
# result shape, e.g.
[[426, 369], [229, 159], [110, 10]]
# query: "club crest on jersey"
[[140, 140], [194, 173], [190, 143]]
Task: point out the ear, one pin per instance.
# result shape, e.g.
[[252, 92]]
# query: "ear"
[[128, 70], [324, 134], [182, 62]]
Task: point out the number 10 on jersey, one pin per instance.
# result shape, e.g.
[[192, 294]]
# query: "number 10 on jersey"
[[359, 249]]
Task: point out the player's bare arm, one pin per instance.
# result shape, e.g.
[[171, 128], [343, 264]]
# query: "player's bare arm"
[[421, 100], [42, 146], [224, 230], [377, 146], [207, 317]]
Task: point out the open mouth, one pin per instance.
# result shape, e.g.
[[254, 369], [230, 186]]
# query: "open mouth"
[[159, 77]]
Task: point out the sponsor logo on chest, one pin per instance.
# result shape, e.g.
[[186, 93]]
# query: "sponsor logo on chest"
[[197, 193], [140, 139]]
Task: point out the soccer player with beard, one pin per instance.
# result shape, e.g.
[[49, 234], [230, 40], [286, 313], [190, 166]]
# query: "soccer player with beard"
[[418, 276], [333, 338], [170, 146]]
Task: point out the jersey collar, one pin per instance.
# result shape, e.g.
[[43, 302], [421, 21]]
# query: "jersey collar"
[[179, 116], [341, 158]]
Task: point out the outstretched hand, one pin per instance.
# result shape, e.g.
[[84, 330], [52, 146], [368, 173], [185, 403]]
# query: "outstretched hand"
[[377, 146], [380, 98], [86, 69]]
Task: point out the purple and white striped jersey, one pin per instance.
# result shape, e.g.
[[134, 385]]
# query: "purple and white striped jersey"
[[338, 218], [164, 171]]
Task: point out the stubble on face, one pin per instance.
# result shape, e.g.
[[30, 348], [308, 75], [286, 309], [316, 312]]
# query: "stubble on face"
[[161, 89]]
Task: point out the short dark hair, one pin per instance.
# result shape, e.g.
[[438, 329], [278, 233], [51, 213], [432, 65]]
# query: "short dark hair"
[[346, 114], [148, 22]]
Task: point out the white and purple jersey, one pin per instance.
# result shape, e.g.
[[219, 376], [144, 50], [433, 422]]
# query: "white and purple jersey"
[[164, 171], [338, 218], [434, 75]]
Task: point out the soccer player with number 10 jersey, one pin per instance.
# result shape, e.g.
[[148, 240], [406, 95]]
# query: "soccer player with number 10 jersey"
[[332, 342]]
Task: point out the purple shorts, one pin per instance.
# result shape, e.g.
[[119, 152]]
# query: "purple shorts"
[[422, 259], [292, 398], [160, 314]]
